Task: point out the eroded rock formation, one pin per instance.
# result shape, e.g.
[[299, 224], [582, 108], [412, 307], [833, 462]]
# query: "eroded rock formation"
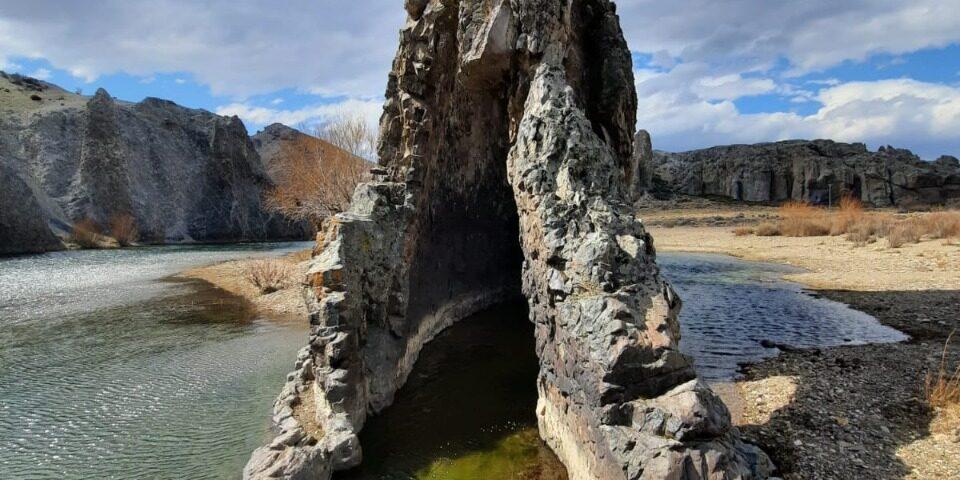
[[184, 175], [506, 168], [816, 171]]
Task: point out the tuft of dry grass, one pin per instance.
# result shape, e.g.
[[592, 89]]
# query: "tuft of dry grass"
[[767, 229], [907, 231], [85, 233], [123, 228], [942, 389], [268, 275], [944, 224], [800, 219], [847, 217], [742, 231]]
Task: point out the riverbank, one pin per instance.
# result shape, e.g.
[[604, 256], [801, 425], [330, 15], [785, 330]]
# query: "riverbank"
[[231, 276], [846, 412]]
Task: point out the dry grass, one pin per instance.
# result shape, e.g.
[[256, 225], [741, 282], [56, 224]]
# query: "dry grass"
[[942, 389], [907, 231], [268, 275], [767, 229], [86, 233], [849, 216], [123, 228], [800, 219], [943, 224], [742, 231]]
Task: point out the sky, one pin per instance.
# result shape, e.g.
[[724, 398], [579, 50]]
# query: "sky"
[[708, 72]]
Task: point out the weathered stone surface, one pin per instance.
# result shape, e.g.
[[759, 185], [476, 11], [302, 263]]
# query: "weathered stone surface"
[[813, 171], [22, 229], [184, 175], [508, 169]]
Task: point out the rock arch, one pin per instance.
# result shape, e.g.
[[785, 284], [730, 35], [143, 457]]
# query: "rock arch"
[[506, 164]]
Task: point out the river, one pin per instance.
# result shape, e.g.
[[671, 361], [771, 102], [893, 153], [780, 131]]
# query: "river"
[[109, 369]]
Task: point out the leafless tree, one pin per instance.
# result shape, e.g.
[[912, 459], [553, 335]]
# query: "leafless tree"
[[317, 175]]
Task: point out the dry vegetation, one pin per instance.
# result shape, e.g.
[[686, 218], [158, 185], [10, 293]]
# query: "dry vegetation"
[[316, 181], [86, 233], [942, 389], [123, 228], [799, 219], [268, 275]]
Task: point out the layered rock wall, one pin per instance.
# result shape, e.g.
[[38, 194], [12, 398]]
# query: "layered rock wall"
[[507, 169], [817, 171]]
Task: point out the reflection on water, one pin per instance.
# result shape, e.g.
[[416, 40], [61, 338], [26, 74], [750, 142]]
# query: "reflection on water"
[[165, 379], [467, 411], [730, 306]]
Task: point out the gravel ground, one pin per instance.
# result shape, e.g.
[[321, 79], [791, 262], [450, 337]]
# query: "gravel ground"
[[858, 412]]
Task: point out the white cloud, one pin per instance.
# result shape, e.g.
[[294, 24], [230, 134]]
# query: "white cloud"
[[179, 81], [258, 117], [811, 35], [276, 101], [900, 112], [42, 74], [237, 48]]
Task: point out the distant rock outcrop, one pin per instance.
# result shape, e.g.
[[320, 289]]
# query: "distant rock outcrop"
[[507, 168], [184, 175], [817, 171], [22, 225]]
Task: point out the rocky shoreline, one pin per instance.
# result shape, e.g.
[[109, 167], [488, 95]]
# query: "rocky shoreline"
[[858, 411]]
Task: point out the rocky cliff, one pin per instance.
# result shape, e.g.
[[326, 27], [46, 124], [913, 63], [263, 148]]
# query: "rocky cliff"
[[184, 175], [507, 169], [817, 171]]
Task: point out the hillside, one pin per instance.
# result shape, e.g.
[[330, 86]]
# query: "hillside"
[[184, 175]]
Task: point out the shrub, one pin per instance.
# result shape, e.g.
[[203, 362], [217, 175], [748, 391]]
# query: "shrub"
[[742, 231], [800, 219], [905, 232], [123, 228], [767, 229], [268, 275], [943, 388], [849, 215], [943, 224], [85, 233]]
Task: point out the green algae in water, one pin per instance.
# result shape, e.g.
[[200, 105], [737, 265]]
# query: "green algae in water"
[[467, 411], [520, 455]]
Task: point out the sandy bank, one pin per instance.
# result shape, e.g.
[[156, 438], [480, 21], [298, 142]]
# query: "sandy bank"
[[231, 277]]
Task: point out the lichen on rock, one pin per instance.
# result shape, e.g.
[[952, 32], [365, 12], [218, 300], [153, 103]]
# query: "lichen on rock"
[[507, 169]]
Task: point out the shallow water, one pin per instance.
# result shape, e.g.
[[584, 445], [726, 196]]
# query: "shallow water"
[[468, 409], [730, 306], [109, 371]]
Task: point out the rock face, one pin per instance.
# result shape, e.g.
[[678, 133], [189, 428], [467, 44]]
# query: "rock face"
[[22, 228], [184, 175], [507, 167], [816, 171]]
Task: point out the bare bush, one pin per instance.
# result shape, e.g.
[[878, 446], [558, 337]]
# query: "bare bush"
[[767, 229], [942, 389], [800, 219], [86, 233], [123, 228], [315, 179], [849, 215], [742, 231], [268, 275], [908, 231], [943, 224], [352, 133]]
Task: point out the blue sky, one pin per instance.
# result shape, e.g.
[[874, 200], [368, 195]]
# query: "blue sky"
[[707, 72]]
